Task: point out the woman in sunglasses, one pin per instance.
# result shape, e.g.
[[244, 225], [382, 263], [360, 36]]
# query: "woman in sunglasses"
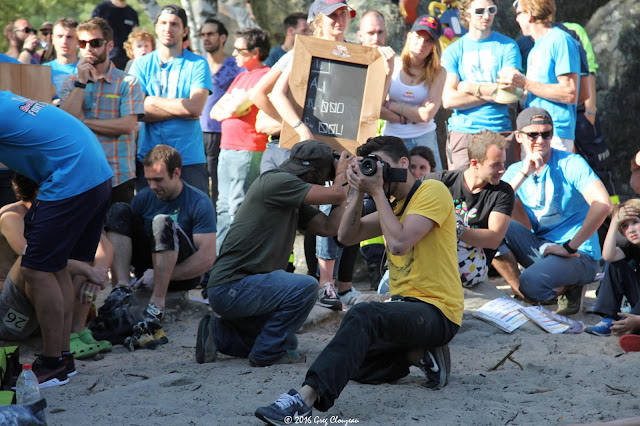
[[415, 93]]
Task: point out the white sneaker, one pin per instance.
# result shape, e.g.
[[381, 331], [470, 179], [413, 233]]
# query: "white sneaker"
[[350, 297]]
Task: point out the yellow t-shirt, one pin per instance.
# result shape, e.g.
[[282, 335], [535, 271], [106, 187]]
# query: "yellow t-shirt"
[[429, 271]]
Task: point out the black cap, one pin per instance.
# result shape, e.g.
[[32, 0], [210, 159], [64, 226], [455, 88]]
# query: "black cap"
[[531, 116], [308, 155], [428, 23], [172, 9]]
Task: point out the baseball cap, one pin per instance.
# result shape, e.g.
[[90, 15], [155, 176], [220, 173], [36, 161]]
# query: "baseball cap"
[[327, 7], [307, 155], [172, 9], [531, 116], [46, 25], [428, 23]]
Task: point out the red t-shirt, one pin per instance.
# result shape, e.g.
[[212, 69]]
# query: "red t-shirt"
[[239, 133]]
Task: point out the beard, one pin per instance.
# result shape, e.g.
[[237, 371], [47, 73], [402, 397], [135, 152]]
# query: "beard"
[[100, 59]]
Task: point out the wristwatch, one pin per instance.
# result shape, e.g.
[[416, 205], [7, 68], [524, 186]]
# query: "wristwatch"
[[459, 229], [79, 85], [568, 248]]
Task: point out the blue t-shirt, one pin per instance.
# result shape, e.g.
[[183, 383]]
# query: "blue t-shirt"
[[60, 72], [9, 59], [478, 61], [220, 82], [275, 54], [554, 54], [51, 147], [173, 80], [192, 210], [553, 199]]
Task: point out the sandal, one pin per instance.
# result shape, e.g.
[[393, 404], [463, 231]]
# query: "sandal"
[[102, 345], [80, 349]]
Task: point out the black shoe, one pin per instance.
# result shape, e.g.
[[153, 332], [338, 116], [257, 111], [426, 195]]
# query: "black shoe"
[[48, 377], [436, 365], [206, 350], [70, 365]]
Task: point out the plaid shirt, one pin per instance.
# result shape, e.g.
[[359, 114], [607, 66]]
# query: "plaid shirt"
[[114, 96]]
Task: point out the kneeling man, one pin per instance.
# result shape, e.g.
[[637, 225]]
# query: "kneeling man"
[[377, 342]]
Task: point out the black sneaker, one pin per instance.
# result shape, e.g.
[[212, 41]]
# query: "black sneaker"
[[206, 350], [48, 377], [288, 409], [436, 365], [153, 313], [70, 365], [328, 298]]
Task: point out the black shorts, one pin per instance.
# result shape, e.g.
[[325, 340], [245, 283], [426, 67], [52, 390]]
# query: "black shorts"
[[57, 231]]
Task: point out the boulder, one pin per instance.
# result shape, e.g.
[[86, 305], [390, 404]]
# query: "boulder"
[[615, 35]]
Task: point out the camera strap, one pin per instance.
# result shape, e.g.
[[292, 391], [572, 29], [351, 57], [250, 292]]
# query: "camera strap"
[[413, 190]]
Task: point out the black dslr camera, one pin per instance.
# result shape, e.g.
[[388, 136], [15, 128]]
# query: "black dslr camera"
[[369, 167]]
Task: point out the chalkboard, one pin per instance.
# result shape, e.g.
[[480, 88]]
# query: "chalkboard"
[[336, 88], [332, 105]]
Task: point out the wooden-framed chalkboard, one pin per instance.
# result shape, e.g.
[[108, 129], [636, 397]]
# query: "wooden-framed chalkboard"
[[337, 89]]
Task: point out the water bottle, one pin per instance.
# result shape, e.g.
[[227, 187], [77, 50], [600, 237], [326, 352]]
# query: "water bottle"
[[27, 390]]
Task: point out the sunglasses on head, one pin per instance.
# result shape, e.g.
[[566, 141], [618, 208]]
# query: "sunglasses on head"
[[95, 43], [479, 11], [533, 136]]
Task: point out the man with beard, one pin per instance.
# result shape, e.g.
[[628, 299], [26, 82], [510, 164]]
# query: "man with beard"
[[23, 41], [106, 100], [223, 70], [177, 83]]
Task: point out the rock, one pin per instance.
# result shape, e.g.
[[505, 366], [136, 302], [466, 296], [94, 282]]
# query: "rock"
[[615, 36]]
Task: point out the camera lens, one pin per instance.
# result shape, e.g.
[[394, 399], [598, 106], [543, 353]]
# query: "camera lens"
[[368, 167]]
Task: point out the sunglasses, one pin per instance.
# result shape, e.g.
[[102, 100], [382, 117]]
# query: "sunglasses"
[[45, 32], [26, 30], [533, 136], [480, 11], [95, 43]]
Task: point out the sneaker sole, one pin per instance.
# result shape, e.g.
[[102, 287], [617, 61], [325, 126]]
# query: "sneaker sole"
[[53, 382], [597, 333], [204, 342], [334, 306], [630, 343]]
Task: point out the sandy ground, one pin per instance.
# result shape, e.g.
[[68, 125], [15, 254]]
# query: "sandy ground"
[[564, 378]]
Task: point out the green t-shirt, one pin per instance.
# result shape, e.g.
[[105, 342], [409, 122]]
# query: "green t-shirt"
[[261, 236], [586, 43]]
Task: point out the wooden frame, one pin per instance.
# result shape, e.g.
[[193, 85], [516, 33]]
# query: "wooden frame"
[[307, 48]]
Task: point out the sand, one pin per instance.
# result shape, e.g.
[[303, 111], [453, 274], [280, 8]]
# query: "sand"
[[564, 379]]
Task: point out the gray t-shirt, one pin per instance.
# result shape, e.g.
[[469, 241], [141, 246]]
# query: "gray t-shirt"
[[17, 315], [261, 236]]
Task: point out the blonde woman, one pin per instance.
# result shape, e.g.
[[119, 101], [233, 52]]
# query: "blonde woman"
[[415, 93]]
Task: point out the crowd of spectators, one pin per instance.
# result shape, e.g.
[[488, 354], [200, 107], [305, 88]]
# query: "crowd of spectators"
[[201, 193]]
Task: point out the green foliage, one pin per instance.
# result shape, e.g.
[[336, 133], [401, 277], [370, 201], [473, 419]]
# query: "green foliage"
[[39, 11]]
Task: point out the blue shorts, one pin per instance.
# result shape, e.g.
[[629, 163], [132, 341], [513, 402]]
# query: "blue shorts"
[[57, 231]]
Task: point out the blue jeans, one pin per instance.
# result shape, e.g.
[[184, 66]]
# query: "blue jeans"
[[273, 156], [544, 274], [261, 313], [429, 140], [236, 172]]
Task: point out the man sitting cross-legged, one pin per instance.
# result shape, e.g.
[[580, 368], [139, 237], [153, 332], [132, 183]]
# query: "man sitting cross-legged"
[[377, 342], [167, 233], [483, 204]]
